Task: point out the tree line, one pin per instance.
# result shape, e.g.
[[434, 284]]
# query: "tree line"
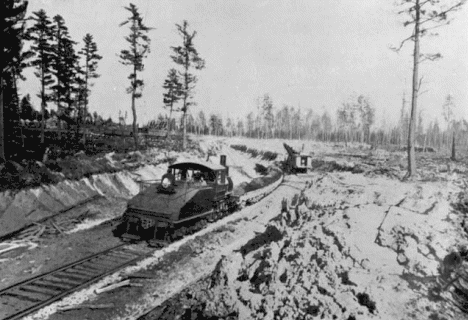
[[66, 72], [66, 75], [353, 122]]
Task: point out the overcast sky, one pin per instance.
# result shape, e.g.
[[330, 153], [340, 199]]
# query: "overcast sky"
[[309, 53]]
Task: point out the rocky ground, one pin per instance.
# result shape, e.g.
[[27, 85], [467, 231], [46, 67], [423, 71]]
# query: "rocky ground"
[[349, 240], [350, 247]]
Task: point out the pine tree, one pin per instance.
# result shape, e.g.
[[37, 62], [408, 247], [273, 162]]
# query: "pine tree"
[[41, 33], [12, 28], [139, 49], [367, 115], [267, 111], [187, 57], [202, 121], [64, 64], [327, 125], [250, 124], [91, 59], [173, 94]]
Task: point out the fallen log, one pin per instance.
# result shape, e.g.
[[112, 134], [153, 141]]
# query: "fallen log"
[[112, 286], [141, 276], [13, 247], [86, 306], [36, 235], [56, 227]]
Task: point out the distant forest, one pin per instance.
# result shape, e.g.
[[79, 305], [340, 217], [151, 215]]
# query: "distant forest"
[[354, 121], [66, 70]]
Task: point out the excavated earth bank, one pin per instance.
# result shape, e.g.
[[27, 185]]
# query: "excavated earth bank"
[[350, 247], [341, 245]]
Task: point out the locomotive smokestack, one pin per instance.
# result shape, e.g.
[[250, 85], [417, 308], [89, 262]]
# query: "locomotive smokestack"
[[222, 160]]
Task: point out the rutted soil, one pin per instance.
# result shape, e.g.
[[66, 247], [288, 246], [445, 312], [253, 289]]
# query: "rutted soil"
[[350, 247]]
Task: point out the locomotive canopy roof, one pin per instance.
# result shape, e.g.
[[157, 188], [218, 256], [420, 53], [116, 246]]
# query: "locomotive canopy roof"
[[198, 165]]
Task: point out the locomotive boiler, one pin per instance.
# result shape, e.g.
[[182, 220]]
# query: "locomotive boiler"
[[189, 195]]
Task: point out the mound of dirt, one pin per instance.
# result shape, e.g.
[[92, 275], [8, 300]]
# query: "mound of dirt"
[[348, 247]]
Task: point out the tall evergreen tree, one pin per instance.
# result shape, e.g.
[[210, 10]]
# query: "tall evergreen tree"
[[91, 59], [367, 115], [447, 109], [187, 57], [250, 124], [267, 112], [202, 121], [240, 127], [41, 34], [12, 28], [64, 70], [423, 16], [173, 94], [139, 48], [326, 125]]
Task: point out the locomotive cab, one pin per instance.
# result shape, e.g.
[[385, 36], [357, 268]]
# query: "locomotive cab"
[[187, 193]]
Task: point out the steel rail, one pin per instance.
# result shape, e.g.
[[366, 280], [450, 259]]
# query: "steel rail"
[[70, 282], [44, 289]]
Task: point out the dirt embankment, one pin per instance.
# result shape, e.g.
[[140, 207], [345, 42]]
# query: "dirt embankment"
[[27, 206], [33, 205], [350, 247]]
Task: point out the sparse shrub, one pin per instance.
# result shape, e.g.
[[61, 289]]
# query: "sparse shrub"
[[239, 147], [265, 155], [261, 169], [253, 152], [269, 156]]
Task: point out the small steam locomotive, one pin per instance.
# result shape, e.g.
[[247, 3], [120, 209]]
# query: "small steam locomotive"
[[189, 195]]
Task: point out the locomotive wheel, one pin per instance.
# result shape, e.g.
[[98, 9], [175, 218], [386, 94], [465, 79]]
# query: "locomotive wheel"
[[173, 233]]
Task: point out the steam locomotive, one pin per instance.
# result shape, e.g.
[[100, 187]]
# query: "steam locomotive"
[[189, 195]]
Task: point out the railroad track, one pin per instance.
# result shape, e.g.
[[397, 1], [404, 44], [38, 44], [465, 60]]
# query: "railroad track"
[[30, 295], [23, 298]]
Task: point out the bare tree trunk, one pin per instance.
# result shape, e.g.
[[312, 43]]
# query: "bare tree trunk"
[[17, 111], [170, 119], [85, 111], [59, 122], [425, 143], [454, 153], [2, 131], [135, 133], [414, 97], [184, 142], [43, 106]]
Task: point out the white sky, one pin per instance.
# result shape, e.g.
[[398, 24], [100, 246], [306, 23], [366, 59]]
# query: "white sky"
[[308, 53]]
